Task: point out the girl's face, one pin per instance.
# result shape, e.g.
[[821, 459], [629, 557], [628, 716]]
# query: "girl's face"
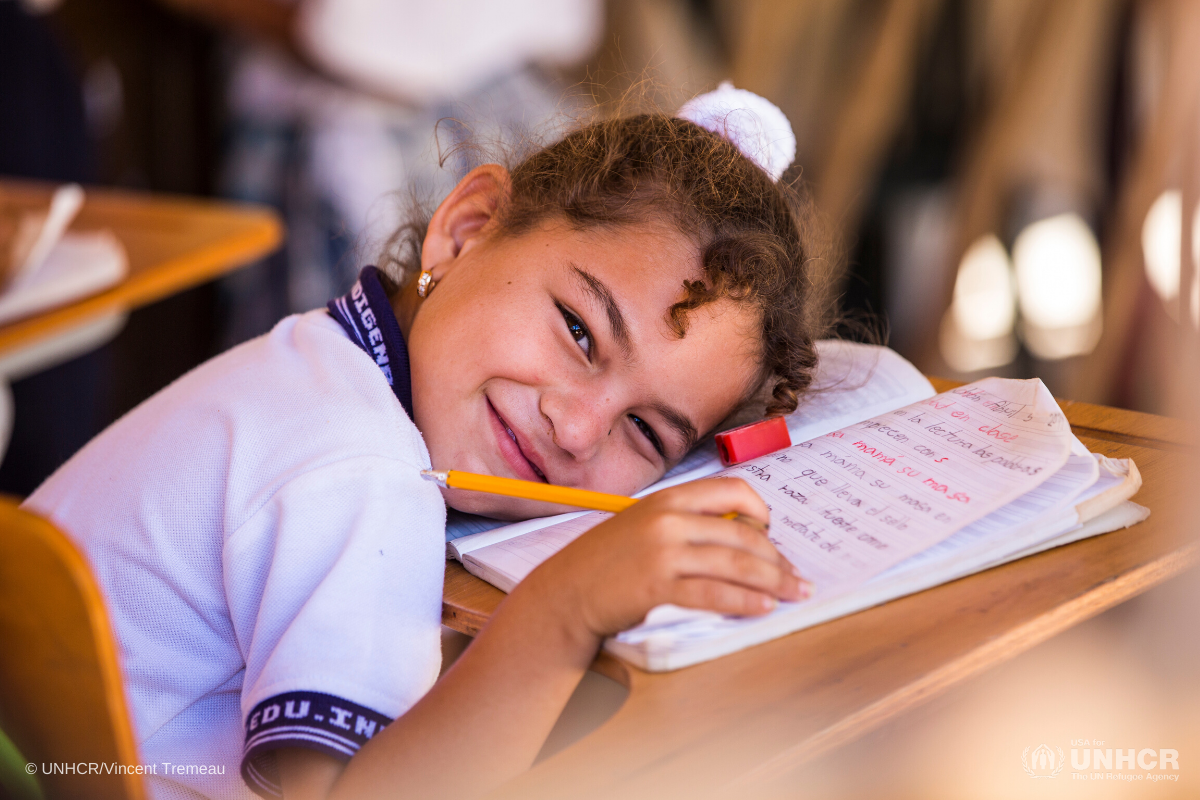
[[548, 357]]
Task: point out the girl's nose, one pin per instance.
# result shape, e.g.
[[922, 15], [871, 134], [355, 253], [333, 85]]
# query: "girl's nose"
[[580, 419]]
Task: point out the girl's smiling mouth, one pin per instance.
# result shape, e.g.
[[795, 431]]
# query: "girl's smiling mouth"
[[510, 447]]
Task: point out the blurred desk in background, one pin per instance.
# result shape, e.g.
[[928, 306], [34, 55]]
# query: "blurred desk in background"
[[740, 725], [172, 243]]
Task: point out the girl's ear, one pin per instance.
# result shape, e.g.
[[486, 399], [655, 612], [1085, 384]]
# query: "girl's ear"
[[460, 217]]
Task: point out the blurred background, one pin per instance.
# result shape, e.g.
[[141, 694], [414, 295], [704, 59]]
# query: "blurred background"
[[1016, 184]]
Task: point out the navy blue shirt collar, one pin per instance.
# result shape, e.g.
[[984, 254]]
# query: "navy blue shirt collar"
[[366, 314]]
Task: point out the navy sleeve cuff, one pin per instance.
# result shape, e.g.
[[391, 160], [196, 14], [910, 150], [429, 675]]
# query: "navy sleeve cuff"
[[309, 720]]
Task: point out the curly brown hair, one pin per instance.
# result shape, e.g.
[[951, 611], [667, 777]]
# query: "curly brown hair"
[[761, 242]]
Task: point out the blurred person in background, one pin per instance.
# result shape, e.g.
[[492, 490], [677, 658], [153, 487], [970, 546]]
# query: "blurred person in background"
[[341, 112]]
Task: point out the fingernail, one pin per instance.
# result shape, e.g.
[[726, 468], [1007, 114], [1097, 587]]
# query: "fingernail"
[[806, 589], [769, 603]]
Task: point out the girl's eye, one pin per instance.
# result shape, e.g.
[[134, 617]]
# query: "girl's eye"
[[577, 329], [649, 433]]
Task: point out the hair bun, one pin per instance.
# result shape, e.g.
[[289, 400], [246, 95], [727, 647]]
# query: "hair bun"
[[753, 124]]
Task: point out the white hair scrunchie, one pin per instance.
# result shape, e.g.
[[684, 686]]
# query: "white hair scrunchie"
[[753, 124]]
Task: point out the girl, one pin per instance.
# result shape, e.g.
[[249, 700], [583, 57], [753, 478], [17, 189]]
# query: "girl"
[[272, 559]]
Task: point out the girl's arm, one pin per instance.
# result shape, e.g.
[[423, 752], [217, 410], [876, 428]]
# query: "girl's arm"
[[500, 699]]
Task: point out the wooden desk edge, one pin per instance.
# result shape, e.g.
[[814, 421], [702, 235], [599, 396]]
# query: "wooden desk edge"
[[204, 265], [996, 651], [262, 234]]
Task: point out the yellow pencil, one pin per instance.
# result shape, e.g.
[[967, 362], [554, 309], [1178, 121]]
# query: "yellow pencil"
[[545, 492]]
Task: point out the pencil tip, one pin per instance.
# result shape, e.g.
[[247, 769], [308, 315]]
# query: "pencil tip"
[[437, 476]]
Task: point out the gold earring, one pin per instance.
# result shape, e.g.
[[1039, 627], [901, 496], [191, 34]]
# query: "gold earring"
[[425, 283]]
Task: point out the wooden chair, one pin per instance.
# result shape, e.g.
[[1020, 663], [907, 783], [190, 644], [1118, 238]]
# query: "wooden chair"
[[61, 696]]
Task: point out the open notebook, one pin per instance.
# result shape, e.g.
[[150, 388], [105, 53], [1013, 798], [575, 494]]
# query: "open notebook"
[[47, 265], [888, 491], [80, 264]]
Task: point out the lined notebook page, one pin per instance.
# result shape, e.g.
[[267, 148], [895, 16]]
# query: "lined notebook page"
[[855, 502], [692, 641], [1045, 511], [1058, 493], [853, 382], [852, 503], [673, 638], [1069, 483]]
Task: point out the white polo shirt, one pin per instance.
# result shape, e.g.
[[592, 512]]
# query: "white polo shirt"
[[271, 559]]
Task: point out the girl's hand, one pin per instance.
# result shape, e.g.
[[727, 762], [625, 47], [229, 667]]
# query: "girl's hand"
[[672, 547]]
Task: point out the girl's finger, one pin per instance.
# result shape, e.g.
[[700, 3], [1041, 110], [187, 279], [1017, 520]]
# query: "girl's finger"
[[708, 594], [738, 567], [715, 496], [731, 533]]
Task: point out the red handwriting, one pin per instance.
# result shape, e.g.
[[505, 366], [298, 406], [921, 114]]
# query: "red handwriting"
[[998, 432], [876, 454], [944, 489]]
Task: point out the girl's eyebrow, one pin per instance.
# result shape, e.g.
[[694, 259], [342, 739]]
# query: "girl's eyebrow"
[[680, 423], [616, 319]]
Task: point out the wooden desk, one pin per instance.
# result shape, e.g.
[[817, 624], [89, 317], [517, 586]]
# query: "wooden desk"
[[173, 243], [722, 726]]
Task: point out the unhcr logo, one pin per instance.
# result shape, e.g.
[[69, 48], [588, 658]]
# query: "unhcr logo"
[[1043, 762], [1102, 763]]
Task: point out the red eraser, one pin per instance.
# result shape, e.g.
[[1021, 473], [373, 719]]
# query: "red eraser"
[[753, 440]]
